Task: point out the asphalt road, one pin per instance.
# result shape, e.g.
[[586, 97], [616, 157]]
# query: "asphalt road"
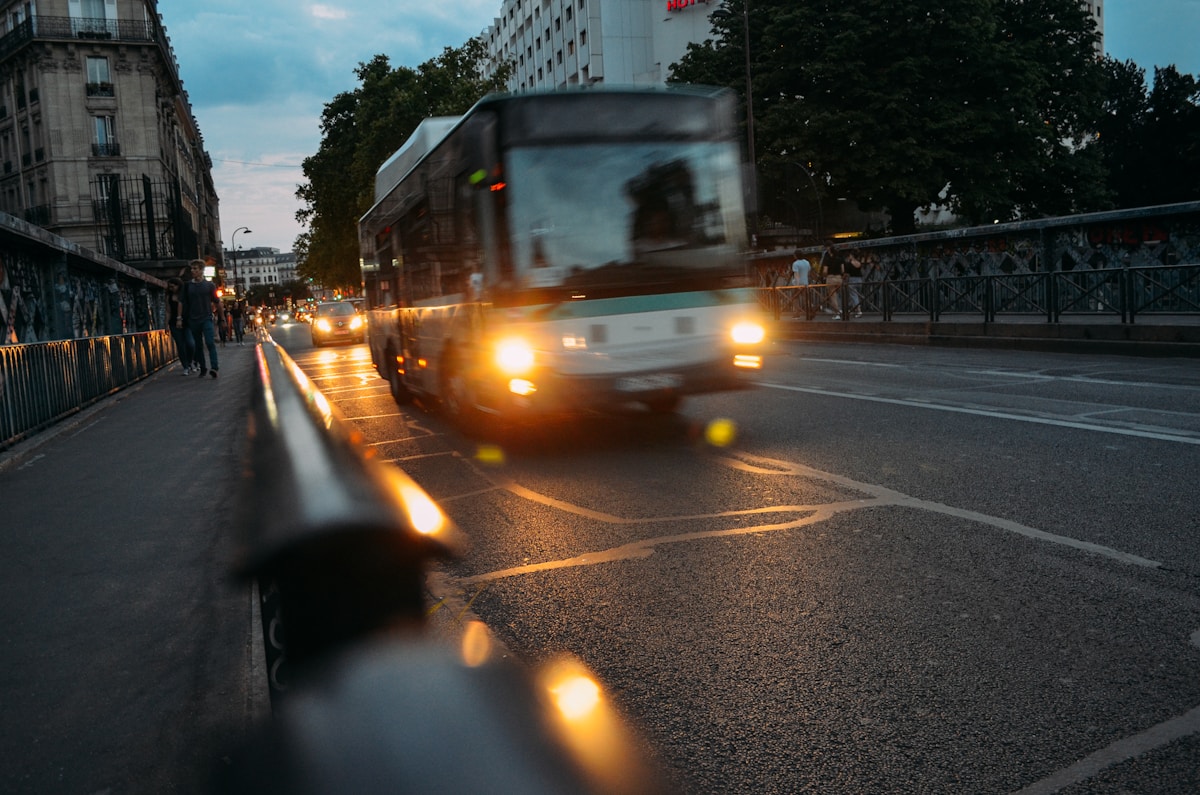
[[909, 570]]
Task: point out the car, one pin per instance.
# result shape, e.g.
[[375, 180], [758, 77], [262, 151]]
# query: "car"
[[337, 321]]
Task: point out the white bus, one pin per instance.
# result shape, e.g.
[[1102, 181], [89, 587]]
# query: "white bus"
[[550, 253]]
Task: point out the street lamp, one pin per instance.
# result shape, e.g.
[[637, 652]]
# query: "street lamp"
[[237, 284], [723, 12]]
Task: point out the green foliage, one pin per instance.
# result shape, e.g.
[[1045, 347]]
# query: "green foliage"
[[892, 104], [1149, 140], [360, 129]]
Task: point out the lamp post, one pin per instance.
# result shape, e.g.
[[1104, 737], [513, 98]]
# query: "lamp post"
[[723, 12], [237, 284]]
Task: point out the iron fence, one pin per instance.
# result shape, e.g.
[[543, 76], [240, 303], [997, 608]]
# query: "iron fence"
[[41, 383], [1124, 293]]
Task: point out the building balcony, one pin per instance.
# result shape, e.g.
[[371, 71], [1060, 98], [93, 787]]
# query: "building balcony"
[[106, 150], [44, 27], [100, 90], [39, 216]]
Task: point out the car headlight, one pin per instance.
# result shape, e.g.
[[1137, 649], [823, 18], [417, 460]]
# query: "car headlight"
[[748, 333], [356, 323], [322, 324], [514, 357]]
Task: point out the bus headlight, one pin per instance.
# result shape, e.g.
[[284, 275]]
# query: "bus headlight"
[[748, 333], [514, 357]]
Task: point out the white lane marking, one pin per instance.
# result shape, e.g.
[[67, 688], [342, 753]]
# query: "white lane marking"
[[1085, 379], [1122, 750], [1000, 415], [811, 514], [852, 361], [771, 466]]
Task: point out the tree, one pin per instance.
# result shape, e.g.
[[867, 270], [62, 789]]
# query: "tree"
[[893, 103], [1173, 134], [1150, 140], [360, 129]]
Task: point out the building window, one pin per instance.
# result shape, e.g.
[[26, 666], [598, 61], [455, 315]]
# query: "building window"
[[106, 137], [99, 84], [583, 38], [97, 70]]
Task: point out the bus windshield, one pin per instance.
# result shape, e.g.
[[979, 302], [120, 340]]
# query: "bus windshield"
[[619, 214]]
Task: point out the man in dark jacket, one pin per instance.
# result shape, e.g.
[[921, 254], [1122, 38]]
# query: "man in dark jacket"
[[200, 300]]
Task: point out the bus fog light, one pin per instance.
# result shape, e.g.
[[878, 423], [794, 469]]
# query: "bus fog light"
[[747, 361], [522, 386], [748, 333]]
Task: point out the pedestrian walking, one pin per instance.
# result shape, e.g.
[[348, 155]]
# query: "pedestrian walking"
[[222, 324], [200, 300], [238, 318], [179, 332]]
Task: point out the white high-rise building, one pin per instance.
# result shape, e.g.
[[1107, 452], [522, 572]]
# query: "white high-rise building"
[[553, 43], [1096, 9]]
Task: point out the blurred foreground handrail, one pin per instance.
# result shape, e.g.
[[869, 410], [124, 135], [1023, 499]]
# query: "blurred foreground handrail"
[[363, 700], [340, 539]]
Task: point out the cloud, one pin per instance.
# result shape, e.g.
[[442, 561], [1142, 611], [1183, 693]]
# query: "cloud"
[[328, 12], [259, 75]]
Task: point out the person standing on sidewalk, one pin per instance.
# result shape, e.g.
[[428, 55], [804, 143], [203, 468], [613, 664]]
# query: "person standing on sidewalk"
[[801, 267], [179, 331], [200, 300], [854, 280], [834, 269]]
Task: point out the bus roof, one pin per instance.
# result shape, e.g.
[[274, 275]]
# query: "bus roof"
[[433, 130], [429, 133]]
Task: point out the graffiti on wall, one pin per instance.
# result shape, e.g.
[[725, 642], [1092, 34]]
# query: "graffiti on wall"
[[41, 301], [22, 307]]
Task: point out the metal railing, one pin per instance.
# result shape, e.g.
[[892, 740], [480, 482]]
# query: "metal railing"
[[41, 383], [338, 544], [1122, 293]]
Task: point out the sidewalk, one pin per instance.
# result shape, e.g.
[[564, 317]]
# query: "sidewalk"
[[128, 657]]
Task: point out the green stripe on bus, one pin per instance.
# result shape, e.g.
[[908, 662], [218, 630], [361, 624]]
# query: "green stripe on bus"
[[634, 304]]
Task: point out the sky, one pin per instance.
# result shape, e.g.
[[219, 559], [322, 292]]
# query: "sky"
[[259, 73]]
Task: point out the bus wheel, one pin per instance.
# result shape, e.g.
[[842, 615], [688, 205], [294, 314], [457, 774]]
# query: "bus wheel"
[[396, 386]]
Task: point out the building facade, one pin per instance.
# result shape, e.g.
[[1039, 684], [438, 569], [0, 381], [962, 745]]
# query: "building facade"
[[98, 143], [559, 43], [555, 43]]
